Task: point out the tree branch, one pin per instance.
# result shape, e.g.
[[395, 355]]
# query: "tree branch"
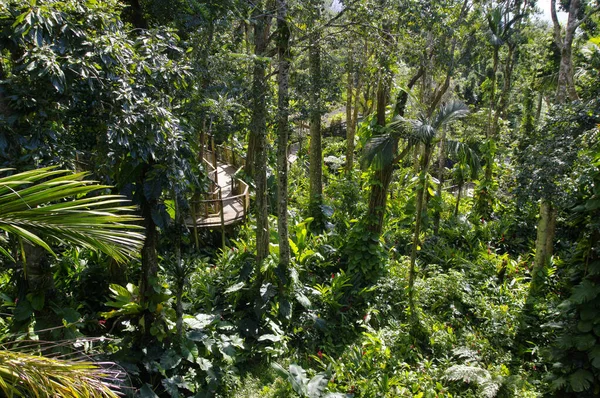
[[557, 36], [588, 15]]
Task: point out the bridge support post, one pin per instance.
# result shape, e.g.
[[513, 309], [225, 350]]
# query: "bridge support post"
[[222, 220]]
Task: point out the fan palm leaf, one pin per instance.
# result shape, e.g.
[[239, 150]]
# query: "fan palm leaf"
[[33, 207]]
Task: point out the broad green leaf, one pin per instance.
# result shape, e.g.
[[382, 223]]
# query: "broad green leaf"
[[584, 292], [146, 392], [232, 289], [270, 337], [594, 356], [585, 326], [200, 321], [37, 300], [585, 342], [317, 385], [170, 359], [303, 300], [298, 379], [581, 380], [204, 363]]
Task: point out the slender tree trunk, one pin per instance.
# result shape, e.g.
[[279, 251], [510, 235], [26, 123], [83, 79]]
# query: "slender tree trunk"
[[566, 82], [441, 169], [149, 250], [507, 85], [349, 125], [250, 154], [460, 188], [180, 275], [543, 244], [356, 107], [378, 198], [484, 203], [382, 99], [251, 149], [282, 133], [418, 221], [316, 151], [490, 131], [259, 132], [351, 138]]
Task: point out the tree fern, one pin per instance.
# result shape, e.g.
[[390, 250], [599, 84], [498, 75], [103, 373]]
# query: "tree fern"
[[488, 386]]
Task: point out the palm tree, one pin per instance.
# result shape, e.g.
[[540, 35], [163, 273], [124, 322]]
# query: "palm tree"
[[500, 25], [425, 129], [467, 167], [34, 209]]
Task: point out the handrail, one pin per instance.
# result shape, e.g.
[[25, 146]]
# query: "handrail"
[[228, 198], [214, 207]]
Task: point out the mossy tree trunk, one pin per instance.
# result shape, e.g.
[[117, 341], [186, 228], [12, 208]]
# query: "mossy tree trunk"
[[259, 129], [283, 50], [316, 150]]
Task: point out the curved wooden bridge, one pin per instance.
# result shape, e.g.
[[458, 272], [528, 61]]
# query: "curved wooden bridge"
[[228, 201]]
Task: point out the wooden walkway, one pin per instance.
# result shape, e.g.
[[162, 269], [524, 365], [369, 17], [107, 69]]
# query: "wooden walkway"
[[229, 199]]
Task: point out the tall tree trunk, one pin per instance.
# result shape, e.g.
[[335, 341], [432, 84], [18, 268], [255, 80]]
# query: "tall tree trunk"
[[441, 169], [316, 151], [259, 131], [251, 150], [418, 221], [349, 124], [180, 275], [356, 107], [382, 98], [149, 250], [566, 82], [565, 90], [485, 197], [283, 51], [460, 188], [543, 244]]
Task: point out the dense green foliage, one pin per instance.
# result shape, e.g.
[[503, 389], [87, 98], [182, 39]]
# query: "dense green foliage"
[[442, 203]]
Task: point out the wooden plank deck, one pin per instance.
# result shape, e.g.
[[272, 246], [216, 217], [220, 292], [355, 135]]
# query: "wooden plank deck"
[[233, 208]]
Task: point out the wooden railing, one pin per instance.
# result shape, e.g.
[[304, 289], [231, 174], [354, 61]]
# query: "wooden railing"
[[214, 203]]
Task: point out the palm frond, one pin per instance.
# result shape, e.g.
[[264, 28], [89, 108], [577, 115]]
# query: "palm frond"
[[27, 375], [379, 151], [422, 130], [465, 155], [448, 113], [33, 206]]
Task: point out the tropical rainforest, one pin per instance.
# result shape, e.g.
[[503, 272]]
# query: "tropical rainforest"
[[299, 198]]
